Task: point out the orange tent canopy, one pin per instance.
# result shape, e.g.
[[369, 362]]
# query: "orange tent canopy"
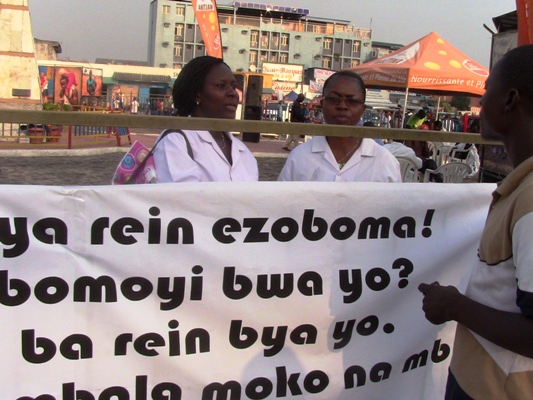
[[429, 64]]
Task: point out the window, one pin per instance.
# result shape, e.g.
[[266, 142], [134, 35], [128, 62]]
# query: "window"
[[178, 50], [166, 9], [253, 57], [189, 33], [264, 56], [274, 57], [326, 62], [180, 10], [254, 39], [177, 65], [178, 30], [356, 46], [327, 43], [274, 42], [284, 39], [264, 40], [283, 58], [355, 63]]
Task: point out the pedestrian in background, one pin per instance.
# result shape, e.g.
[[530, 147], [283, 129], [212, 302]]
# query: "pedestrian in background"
[[296, 116]]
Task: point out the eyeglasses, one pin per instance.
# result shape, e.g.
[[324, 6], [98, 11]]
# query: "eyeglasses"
[[349, 101]]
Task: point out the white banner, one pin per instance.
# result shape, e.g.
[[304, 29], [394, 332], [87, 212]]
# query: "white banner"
[[230, 291]]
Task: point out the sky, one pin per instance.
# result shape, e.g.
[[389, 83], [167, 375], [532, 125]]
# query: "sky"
[[119, 28]]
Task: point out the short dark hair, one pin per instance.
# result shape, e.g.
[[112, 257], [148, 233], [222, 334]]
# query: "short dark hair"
[[190, 81], [421, 113], [517, 70], [349, 74]]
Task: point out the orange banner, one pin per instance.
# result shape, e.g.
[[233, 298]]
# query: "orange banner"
[[524, 9], [207, 17]]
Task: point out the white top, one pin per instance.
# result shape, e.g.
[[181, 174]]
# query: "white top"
[[173, 164], [401, 150], [314, 161]]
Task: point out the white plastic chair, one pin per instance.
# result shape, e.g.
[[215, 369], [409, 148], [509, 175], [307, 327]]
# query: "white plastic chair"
[[432, 147], [469, 157], [453, 172], [440, 152], [408, 170]]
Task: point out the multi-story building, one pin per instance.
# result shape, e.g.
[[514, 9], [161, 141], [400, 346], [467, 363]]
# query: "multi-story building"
[[381, 49], [253, 34]]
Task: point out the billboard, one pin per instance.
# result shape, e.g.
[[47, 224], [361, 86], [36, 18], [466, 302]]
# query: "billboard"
[[66, 85], [92, 82]]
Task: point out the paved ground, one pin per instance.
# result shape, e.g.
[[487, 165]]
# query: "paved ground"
[[94, 162], [87, 167]]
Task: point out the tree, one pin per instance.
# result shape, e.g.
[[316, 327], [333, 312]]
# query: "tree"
[[462, 103], [446, 107]]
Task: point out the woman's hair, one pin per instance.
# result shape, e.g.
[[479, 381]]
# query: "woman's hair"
[[190, 82], [349, 74]]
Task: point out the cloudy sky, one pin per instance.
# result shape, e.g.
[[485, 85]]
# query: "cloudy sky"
[[119, 28]]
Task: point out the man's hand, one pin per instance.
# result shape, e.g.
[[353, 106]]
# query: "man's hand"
[[439, 301]]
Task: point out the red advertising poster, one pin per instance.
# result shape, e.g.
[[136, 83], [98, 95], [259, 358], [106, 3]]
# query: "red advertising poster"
[[67, 85], [207, 17], [524, 9]]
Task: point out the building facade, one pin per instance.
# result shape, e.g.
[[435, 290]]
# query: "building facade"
[[112, 86], [19, 73], [381, 49], [253, 34]]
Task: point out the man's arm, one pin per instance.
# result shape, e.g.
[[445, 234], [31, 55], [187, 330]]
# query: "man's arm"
[[512, 331]]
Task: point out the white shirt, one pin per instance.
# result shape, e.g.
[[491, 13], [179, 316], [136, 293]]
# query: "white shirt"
[[400, 150], [134, 107], [314, 161], [173, 164]]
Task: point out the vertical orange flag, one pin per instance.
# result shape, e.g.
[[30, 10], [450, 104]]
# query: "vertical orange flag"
[[524, 9], [207, 17]]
